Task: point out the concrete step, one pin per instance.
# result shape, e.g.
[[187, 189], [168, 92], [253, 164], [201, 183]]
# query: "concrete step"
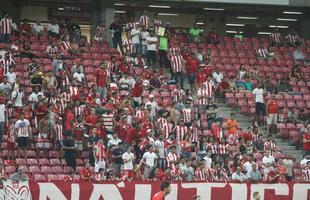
[[287, 148]]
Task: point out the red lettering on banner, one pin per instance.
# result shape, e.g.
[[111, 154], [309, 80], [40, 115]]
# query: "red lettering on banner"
[[138, 190]]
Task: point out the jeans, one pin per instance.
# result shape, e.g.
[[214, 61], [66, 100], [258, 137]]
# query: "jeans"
[[117, 41], [143, 49], [163, 60], [161, 163], [102, 92], [151, 58], [117, 168], [2, 125], [179, 76], [136, 49], [192, 78], [5, 38]]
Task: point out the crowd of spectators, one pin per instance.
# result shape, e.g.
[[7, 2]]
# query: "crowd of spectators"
[[114, 109]]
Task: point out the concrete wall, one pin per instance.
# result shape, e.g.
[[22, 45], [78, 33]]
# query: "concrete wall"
[[34, 13]]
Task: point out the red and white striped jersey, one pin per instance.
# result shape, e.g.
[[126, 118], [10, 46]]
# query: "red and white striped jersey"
[[262, 52], [140, 115], [177, 63], [9, 112], [176, 174], [78, 111], [139, 62], [201, 175], [127, 44], [157, 23], [99, 177], [144, 21], [61, 106], [223, 149], [292, 38], [173, 51], [275, 37], [178, 95], [194, 134], [99, 33], [66, 97], [187, 115], [130, 59], [108, 121], [58, 129], [167, 129], [74, 91], [11, 134], [6, 26], [6, 63], [170, 158], [306, 174], [269, 145], [214, 148], [203, 96], [208, 86], [161, 121], [180, 132], [129, 25], [65, 45], [100, 152]]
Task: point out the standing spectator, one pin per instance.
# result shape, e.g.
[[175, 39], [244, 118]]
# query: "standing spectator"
[[306, 142], [293, 39], [151, 42], [288, 163], [127, 44], [232, 125], [116, 157], [116, 29], [162, 51], [19, 176], [218, 76], [99, 34], [37, 29], [177, 64], [3, 118], [6, 61], [23, 129], [150, 159], [130, 24], [145, 19], [260, 107], [70, 152], [128, 159], [268, 163], [273, 176], [276, 38], [193, 65], [99, 152], [272, 113], [306, 172], [214, 36], [157, 22], [101, 79], [54, 29], [195, 32], [135, 38], [160, 149], [144, 35], [6, 28]]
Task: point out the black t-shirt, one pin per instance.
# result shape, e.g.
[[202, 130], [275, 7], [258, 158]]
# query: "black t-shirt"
[[117, 152], [36, 80], [117, 28], [211, 106], [210, 109]]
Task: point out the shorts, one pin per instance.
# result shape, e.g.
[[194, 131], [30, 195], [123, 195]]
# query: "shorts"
[[22, 142], [272, 119], [10, 145], [79, 145], [260, 108], [128, 173], [99, 165]]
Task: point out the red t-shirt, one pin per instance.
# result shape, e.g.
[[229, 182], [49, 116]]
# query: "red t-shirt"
[[131, 135], [272, 174], [208, 71], [307, 144], [273, 107], [159, 196], [69, 120], [85, 172], [201, 78], [101, 76], [247, 136], [192, 65], [137, 90], [91, 119]]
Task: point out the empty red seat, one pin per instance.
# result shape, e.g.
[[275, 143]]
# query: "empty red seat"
[[44, 161], [34, 169], [53, 154], [10, 169], [24, 168], [79, 162], [20, 161], [53, 177], [32, 161], [31, 154], [39, 177], [57, 170], [46, 169], [55, 162]]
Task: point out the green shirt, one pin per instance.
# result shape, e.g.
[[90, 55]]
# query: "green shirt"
[[195, 32], [163, 43], [248, 86]]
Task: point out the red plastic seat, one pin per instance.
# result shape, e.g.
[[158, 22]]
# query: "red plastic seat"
[[10, 169], [39, 177], [57, 170], [79, 162], [53, 154], [54, 162], [24, 168], [46, 169], [44, 161], [31, 154], [34, 169], [53, 177], [32, 161], [20, 161]]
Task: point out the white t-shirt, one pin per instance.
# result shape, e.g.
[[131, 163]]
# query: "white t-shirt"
[[161, 149], [151, 47], [113, 141], [22, 127], [128, 156], [34, 97], [54, 28], [247, 166], [208, 162], [218, 77], [150, 158], [144, 35], [135, 39], [303, 162], [259, 95], [268, 160], [78, 76], [37, 28], [18, 97], [2, 113], [11, 77]]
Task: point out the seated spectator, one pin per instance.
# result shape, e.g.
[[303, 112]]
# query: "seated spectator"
[[273, 176], [306, 172], [284, 85], [85, 173], [254, 175], [238, 176], [262, 52], [19, 176], [54, 29], [292, 115], [37, 28], [302, 116], [295, 73], [304, 161], [268, 163]]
